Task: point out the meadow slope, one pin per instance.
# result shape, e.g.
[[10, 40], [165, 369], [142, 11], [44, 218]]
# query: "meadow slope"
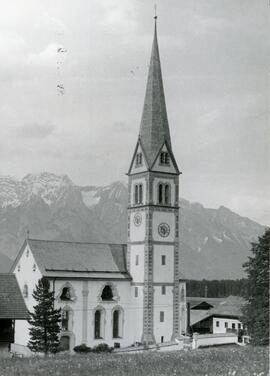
[[231, 361]]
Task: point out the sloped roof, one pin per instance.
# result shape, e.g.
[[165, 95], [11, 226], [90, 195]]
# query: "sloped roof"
[[12, 305], [154, 129], [196, 301], [61, 256], [197, 316], [230, 306], [227, 307]]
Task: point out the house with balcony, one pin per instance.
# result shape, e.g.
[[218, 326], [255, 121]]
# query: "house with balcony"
[[216, 315]]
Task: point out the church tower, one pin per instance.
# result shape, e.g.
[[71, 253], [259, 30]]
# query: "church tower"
[[158, 296]]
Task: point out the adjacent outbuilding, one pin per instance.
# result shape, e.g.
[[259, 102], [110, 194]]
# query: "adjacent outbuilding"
[[216, 315], [12, 309]]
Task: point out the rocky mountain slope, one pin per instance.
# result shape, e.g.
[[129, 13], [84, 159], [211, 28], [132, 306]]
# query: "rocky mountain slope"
[[214, 242]]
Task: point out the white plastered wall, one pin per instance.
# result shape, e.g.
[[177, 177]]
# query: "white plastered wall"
[[26, 275], [163, 273], [221, 328], [137, 271], [123, 289], [163, 303], [137, 233], [168, 218]]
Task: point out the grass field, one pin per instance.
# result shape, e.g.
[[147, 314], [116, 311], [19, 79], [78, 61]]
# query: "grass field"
[[233, 361]]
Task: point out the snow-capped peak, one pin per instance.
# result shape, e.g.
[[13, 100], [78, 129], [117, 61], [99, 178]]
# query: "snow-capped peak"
[[46, 185]]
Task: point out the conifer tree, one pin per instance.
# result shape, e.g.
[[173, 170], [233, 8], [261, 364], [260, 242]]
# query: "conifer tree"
[[256, 310], [44, 321]]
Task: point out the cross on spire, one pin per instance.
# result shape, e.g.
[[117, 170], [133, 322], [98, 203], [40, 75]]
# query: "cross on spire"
[[155, 9]]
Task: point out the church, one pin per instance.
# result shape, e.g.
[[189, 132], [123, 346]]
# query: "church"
[[121, 294]]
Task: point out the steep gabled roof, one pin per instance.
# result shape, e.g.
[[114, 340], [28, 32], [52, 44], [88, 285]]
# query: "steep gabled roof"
[[154, 128], [61, 258], [12, 305]]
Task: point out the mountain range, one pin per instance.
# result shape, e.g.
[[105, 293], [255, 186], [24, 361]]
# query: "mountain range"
[[214, 243]]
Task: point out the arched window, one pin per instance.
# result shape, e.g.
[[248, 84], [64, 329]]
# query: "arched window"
[[107, 293], [182, 294], [117, 322], [25, 291], [65, 320], [160, 193], [99, 323], [164, 194], [167, 194], [65, 294], [138, 194]]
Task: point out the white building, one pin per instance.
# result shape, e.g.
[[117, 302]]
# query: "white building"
[[121, 294]]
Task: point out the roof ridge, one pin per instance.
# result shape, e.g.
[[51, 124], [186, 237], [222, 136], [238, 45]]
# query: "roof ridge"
[[74, 242]]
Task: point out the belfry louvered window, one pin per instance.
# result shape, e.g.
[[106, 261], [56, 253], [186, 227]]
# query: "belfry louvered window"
[[138, 194], [164, 158], [138, 159], [164, 194]]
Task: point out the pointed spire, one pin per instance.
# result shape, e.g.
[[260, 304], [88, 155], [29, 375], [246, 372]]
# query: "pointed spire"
[[154, 128]]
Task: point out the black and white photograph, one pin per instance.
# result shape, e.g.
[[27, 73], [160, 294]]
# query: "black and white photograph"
[[134, 187]]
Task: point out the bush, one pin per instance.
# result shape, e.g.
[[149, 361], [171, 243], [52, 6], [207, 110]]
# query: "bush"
[[82, 349], [102, 347]]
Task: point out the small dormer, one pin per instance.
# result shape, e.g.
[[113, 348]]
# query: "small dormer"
[[164, 158], [138, 163], [165, 161]]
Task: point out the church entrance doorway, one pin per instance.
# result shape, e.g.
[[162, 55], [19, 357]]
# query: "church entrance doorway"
[[64, 343]]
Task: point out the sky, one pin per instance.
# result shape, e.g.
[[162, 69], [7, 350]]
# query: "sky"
[[215, 60]]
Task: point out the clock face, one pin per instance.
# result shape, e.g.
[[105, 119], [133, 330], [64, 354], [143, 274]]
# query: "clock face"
[[163, 229], [137, 219]]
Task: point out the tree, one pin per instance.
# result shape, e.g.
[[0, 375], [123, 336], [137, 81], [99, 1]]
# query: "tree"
[[44, 321], [256, 310]]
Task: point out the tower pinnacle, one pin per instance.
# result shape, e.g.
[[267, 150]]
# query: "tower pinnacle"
[[154, 129], [155, 9]]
